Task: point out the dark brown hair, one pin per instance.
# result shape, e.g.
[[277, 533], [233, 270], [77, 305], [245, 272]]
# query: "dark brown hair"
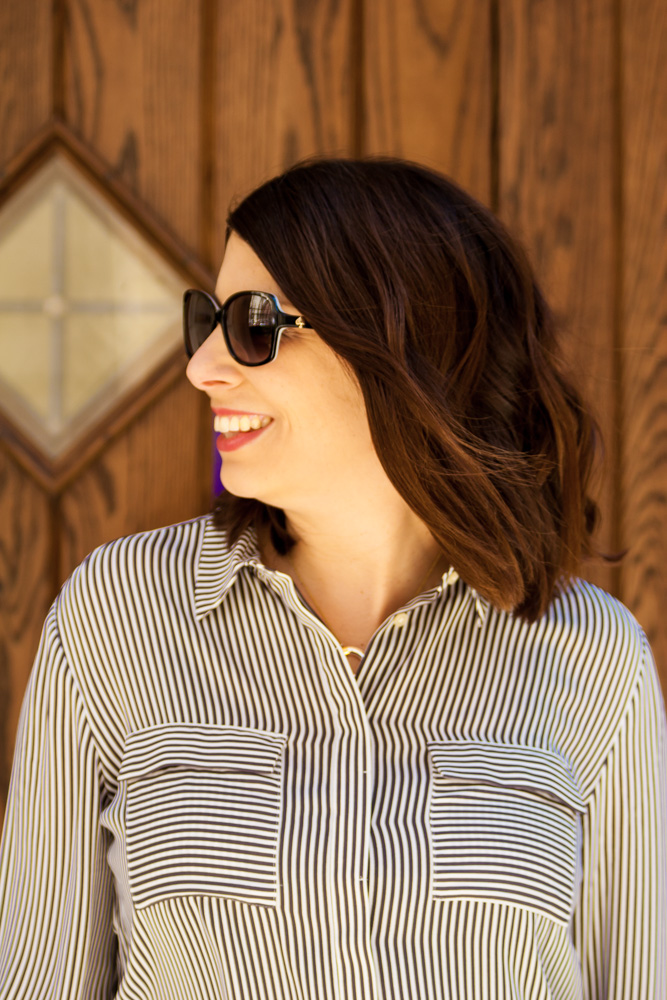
[[435, 307]]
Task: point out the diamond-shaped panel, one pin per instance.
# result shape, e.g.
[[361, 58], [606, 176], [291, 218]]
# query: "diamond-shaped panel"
[[87, 308]]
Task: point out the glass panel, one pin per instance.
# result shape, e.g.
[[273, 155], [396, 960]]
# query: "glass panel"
[[25, 349], [100, 349], [26, 255], [87, 308], [100, 266]]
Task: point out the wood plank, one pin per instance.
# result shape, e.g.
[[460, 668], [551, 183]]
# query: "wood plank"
[[26, 72], [27, 587], [428, 85], [156, 472], [556, 187], [643, 40], [282, 88], [132, 92]]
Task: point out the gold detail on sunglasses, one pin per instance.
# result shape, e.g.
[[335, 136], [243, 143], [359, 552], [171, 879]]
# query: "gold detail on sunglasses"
[[300, 322]]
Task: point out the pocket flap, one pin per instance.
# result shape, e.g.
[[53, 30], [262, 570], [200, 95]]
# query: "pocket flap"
[[209, 747], [508, 765]]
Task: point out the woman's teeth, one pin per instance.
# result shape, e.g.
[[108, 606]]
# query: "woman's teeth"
[[232, 425]]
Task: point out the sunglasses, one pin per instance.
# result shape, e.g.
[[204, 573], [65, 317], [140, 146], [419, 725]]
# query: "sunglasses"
[[251, 323]]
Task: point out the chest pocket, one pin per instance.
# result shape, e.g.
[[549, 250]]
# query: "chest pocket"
[[505, 826], [203, 808]]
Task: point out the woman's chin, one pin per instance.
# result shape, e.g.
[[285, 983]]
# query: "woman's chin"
[[243, 486]]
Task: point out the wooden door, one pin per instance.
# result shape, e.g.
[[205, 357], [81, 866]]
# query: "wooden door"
[[552, 112]]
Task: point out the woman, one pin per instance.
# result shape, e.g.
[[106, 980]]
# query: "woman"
[[362, 733]]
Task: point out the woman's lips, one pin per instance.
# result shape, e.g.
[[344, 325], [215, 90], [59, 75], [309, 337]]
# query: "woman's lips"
[[221, 411], [231, 440]]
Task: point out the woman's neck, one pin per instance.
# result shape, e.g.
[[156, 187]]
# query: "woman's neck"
[[357, 566]]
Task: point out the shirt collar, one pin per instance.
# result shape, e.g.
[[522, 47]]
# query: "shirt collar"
[[218, 565]]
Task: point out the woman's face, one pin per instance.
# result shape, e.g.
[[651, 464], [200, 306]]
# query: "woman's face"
[[316, 440]]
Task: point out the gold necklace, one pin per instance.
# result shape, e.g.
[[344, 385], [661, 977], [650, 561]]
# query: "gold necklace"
[[349, 650]]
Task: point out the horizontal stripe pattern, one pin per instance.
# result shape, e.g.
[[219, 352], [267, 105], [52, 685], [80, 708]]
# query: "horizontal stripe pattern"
[[507, 847], [193, 831], [214, 747], [514, 767], [493, 837], [206, 803]]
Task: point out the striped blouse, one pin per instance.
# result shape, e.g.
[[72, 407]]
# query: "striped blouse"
[[207, 804]]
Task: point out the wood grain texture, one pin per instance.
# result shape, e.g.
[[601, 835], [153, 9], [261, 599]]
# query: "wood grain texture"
[[556, 188], [643, 47], [428, 85], [131, 85], [27, 587], [282, 88], [156, 472], [26, 72]]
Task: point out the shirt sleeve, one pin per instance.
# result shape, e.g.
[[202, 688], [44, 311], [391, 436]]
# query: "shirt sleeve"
[[620, 926], [56, 935]]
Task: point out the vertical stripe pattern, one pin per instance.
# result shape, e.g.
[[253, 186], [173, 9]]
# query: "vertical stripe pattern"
[[206, 804]]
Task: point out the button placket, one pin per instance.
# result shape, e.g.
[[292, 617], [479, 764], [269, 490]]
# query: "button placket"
[[355, 731]]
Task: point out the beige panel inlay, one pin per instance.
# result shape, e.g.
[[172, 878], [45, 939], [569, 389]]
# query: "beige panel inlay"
[[87, 308], [26, 255], [100, 349], [25, 349], [100, 266]]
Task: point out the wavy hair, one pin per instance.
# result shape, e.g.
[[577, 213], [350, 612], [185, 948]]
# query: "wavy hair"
[[425, 294]]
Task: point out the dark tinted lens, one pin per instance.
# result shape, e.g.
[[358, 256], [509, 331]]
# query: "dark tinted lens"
[[251, 324], [198, 320]]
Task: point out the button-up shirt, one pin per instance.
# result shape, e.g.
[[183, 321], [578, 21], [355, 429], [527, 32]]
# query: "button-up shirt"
[[207, 804]]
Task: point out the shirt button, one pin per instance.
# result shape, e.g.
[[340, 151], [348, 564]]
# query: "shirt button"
[[400, 619]]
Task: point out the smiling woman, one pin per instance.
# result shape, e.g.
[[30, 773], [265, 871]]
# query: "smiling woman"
[[361, 732], [315, 429], [435, 313]]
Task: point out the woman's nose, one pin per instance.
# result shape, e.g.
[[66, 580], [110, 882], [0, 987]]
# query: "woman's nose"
[[212, 364]]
